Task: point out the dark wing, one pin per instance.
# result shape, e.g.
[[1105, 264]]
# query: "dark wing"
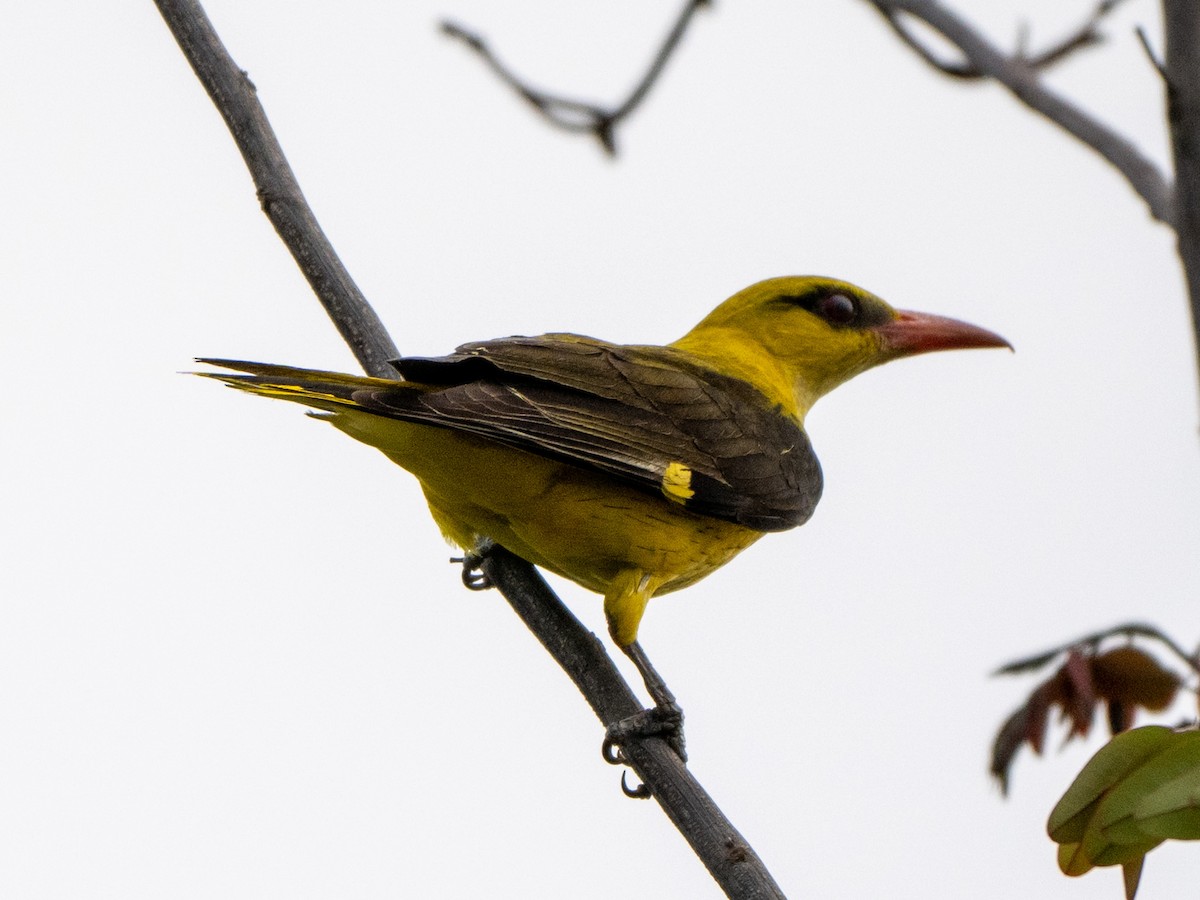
[[647, 415]]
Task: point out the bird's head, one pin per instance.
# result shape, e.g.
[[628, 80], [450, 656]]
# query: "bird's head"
[[797, 338]]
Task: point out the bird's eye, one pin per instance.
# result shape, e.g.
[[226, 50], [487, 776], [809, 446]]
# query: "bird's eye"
[[838, 309]]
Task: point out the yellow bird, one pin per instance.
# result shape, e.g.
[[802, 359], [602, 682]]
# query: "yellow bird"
[[632, 470]]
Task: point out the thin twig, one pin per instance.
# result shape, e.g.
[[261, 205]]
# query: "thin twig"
[[1086, 35], [577, 115], [1128, 629], [722, 850], [1020, 77], [1150, 54]]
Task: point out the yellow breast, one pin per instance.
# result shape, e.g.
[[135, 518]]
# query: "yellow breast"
[[574, 522]]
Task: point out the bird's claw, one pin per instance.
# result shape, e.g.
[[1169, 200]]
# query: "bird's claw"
[[615, 756], [641, 792], [665, 721], [473, 576]]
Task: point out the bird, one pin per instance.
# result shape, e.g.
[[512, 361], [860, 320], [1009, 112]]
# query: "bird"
[[631, 470]]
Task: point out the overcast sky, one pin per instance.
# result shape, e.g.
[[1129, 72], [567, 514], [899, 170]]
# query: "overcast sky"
[[234, 661]]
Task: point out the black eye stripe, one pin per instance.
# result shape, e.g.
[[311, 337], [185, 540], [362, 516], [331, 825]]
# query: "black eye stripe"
[[837, 308]]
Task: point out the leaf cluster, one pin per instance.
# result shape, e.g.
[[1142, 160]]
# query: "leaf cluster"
[[1139, 790], [1122, 679]]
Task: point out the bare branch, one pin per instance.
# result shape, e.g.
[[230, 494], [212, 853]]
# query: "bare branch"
[[278, 191], [577, 115], [1181, 68], [721, 848], [1086, 35], [1020, 77]]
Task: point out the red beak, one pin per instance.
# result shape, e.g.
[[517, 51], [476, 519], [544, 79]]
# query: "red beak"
[[913, 332]]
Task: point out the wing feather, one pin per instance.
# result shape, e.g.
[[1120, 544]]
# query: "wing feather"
[[634, 413], [630, 412]]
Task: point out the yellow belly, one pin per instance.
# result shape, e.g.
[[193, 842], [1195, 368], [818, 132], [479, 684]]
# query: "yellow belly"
[[609, 538]]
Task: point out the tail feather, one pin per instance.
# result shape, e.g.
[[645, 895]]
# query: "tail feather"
[[312, 387]]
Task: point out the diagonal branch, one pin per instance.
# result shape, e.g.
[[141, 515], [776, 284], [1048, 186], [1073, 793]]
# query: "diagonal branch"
[[278, 191], [721, 848], [729, 858], [577, 115], [1020, 76]]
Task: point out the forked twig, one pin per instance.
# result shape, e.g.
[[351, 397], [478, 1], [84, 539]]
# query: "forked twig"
[[1019, 74], [577, 115], [1088, 34]]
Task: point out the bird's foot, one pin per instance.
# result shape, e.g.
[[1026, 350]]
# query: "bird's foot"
[[473, 576], [664, 721]]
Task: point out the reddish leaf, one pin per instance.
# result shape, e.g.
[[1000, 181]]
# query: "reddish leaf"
[[1127, 678], [1037, 708], [1013, 733], [1079, 702], [1070, 689]]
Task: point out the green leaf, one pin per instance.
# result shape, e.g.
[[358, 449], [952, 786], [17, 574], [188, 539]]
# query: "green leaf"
[[1172, 810], [1161, 785], [1070, 818], [1140, 789], [1072, 860]]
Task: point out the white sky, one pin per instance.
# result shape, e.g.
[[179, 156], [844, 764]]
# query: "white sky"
[[233, 659]]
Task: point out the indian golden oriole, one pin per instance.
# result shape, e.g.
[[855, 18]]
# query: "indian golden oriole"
[[631, 470]]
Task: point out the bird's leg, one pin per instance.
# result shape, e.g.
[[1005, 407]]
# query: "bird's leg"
[[473, 576], [657, 688], [664, 719], [624, 604]]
